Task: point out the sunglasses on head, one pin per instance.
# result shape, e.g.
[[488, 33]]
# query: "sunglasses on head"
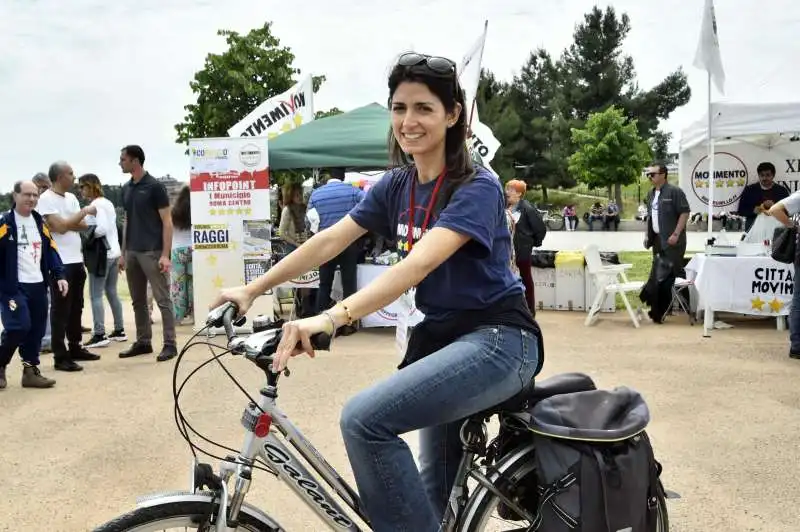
[[439, 65]]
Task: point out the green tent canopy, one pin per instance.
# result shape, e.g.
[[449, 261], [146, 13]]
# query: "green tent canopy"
[[356, 139]]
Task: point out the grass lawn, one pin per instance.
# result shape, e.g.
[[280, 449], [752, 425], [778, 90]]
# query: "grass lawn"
[[560, 198]]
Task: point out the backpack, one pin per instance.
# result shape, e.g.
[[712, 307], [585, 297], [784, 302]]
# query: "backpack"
[[595, 467]]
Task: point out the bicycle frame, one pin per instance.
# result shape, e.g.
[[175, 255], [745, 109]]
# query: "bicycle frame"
[[303, 482]]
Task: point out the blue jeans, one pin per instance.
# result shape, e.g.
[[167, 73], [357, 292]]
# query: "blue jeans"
[[106, 284], [435, 394], [794, 315]]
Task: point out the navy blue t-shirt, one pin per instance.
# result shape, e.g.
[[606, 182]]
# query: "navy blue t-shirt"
[[478, 274]]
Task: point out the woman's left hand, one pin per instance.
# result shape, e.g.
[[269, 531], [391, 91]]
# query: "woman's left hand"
[[299, 332]]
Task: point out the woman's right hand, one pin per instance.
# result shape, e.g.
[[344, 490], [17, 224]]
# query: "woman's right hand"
[[240, 295]]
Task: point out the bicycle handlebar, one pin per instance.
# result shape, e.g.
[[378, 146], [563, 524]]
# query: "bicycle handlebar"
[[258, 347]]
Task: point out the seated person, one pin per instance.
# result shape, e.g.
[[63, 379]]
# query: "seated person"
[[611, 216], [759, 197], [570, 217], [596, 215]]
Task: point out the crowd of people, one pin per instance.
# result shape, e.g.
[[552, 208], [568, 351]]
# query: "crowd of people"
[[50, 246]]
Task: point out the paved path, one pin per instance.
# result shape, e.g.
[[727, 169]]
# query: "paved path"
[[725, 417], [621, 240]]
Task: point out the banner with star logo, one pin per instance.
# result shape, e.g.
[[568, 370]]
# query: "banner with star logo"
[[229, 182], [734, 168], [279, 114]]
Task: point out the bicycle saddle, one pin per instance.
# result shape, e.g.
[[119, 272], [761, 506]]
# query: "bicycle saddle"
[[536, 391]]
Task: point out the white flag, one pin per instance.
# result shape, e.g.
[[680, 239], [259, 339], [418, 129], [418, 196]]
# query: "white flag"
[[469, 71], [482, 143], [708, 57], [279, 114]]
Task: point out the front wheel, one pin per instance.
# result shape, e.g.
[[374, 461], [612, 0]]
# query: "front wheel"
[[183, 515], [555, 221]]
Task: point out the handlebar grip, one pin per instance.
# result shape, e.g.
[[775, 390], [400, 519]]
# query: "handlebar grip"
[[321, 341], [227, 321]]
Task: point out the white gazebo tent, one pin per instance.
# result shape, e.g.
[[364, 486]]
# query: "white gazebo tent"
[[744, 135]]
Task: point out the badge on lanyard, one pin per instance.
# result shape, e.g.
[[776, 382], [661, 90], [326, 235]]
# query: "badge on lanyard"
[[407, 313], [404, 305]]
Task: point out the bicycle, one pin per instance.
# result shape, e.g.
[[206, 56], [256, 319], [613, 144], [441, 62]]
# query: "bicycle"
[[552, 219], [211, 505]]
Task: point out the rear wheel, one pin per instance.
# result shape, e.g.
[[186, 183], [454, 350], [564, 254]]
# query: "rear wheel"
[[180, 515], [481, 514]]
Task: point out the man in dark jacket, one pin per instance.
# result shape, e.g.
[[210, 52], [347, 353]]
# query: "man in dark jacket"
[[667, 214], [28, 260]]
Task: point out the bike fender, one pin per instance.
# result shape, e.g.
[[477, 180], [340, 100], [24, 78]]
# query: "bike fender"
[[156, 499]]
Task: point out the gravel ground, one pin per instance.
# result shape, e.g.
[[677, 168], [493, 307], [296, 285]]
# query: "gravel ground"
[[726, 414]]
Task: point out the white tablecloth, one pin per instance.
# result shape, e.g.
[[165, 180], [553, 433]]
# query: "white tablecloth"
[[366, 273], [757, 286]]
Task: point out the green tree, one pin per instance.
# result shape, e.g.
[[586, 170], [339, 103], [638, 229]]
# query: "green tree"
[[333, 111], [609, 152], [254, 68], [598, 74], [659, 145]]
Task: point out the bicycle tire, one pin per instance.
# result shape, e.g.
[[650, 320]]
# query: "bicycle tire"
[[555, 221], [183, 514], [520, 462]]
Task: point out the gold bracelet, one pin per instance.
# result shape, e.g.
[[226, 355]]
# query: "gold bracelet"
[[347, 311]]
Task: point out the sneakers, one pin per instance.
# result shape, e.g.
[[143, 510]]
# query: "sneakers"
[[67, 365], [98, 340], [167, 353], [136, 349], [32, 378], [82, 354], [118, 336], [3, 382]]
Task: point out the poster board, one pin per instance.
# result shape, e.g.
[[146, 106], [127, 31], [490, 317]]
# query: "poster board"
[[229, 182]]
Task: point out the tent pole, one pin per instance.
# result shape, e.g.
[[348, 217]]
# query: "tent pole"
[[711, 183], [708, 312]]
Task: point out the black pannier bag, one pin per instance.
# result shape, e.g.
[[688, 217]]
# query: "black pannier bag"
[[595, 468]]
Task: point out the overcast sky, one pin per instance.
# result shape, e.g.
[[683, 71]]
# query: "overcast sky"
[[81, 78]]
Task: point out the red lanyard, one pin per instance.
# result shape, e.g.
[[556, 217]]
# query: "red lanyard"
[[412, 208]]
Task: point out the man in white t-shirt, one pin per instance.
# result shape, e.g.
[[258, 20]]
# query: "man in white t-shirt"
[[785, 212], [43, 184], [64, 217], [28, 259]]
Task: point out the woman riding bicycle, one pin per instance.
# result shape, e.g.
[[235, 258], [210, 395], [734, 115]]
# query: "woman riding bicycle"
[[478, 344]]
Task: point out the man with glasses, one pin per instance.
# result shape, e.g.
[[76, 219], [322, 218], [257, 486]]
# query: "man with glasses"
[[758, 198], [667, 214], [28, 260]]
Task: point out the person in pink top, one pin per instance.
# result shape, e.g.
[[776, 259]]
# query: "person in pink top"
[[570, 217]]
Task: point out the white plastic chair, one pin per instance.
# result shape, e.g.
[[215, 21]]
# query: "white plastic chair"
[[610, 279]]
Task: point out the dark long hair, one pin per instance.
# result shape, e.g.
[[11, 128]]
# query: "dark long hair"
[[182, 210], [446, 87], [298, 210]]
